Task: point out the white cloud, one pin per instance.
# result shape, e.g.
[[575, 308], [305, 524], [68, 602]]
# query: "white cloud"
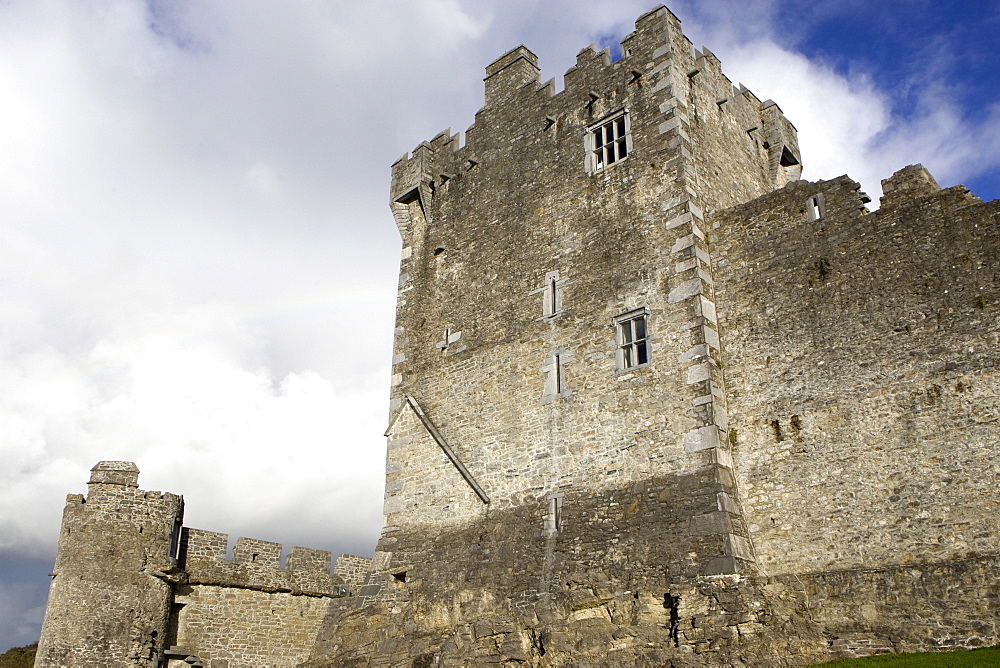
[[185, 399], [837, 118], [847, 125]]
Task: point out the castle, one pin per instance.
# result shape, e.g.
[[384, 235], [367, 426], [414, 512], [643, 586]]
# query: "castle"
[[655, 401]]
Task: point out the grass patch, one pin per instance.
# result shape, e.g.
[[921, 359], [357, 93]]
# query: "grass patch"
[[986, 656]]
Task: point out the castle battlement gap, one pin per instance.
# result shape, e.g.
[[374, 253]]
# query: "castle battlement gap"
[[654, 401]]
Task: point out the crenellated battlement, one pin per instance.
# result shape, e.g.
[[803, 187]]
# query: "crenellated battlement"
[[256, 564], [151, 588], [659, 72]]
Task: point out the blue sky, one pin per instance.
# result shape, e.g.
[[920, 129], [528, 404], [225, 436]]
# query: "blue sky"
[[907, 47], [199, 262]]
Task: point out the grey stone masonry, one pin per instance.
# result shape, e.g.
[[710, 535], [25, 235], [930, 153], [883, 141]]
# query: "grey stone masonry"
[[256, 564], [696, 432]]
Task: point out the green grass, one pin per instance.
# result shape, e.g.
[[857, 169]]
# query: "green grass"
[[986, 656]]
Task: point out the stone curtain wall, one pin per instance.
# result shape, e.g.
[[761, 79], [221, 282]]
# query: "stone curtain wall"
[[860, 357], [120, 596], [725, 620], [248, 610], [903, 608], [596, 594], [234, 626], [256, 565]]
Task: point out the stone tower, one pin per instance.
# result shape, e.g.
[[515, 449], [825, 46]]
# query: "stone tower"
[[558, 413], [109, 604], [556, 378]]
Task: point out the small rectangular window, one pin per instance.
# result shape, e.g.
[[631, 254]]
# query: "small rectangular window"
[[633, 344], [608, 142]]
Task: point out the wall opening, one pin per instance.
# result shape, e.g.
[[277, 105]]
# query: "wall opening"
[[814, 207], [608, 142], [672, 604], [557, 370], [450, 336], [552, 294], [554, 369], [174, 551], [553, 523]]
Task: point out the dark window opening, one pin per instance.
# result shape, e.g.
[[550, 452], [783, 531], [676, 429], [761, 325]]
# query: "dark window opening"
[[787, 159], [672, 604], [776, 428], [553, 520], [175, 540]]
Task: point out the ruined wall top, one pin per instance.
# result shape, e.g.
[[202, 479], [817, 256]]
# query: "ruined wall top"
[[907, 183]]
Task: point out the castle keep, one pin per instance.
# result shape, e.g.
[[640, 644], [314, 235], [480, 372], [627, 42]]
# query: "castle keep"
[[655, 401]]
